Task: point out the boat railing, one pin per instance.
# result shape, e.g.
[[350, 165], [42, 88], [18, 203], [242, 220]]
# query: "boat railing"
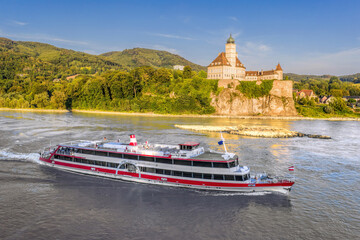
[[263, 178]]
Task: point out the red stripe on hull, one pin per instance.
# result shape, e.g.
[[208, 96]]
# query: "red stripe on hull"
[[169, 179]]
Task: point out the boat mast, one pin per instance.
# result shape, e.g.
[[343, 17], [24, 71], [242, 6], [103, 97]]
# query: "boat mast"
[[223, 139]]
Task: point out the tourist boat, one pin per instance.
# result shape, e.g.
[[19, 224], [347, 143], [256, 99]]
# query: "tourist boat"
[[183, 165]]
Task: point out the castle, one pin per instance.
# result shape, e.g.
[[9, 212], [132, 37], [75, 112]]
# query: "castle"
[[227, 67]]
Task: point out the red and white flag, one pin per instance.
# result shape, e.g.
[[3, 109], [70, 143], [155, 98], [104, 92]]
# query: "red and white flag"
[[291, 169]]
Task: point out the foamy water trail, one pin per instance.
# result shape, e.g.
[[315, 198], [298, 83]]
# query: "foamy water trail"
[[222, 194], [6, 155]]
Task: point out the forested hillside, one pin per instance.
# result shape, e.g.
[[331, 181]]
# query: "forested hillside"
[[36, 75], [33, 60], [137, 57]]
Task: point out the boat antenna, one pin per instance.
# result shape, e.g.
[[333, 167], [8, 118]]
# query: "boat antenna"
[[223, 140]]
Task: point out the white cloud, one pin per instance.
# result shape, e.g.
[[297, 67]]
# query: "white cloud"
[[18, 23], [171, 36], [42, 37], [251, 48], [234, 19], [337, 63], [158, 47]]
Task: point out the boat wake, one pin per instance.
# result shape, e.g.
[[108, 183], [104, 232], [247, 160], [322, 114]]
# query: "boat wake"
[[11, 156], [222, 194]]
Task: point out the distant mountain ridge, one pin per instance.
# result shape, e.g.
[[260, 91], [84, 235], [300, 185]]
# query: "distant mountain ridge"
[[346, 78], [19, 55], [137, 57]]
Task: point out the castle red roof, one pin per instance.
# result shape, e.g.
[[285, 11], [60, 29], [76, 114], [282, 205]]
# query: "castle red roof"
[[251, 73], [278, 67], [259, 73], [238, 63], [221, 60]]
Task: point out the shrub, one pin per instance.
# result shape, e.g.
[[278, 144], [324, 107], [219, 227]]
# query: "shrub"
[[328, 109], [251, 90], [339, 105]]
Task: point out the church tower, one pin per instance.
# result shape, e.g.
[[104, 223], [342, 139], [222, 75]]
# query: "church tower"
[[230, 51]]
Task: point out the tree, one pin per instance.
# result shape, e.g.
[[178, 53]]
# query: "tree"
[[41, 100], [58, 100], [338, 104], [202, 74], [187, 73]]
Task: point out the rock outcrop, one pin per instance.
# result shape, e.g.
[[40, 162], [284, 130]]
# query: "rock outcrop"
[[279, 102]]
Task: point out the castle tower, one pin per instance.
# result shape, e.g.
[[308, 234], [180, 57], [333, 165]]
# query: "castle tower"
[[230, 51], [279, 71]]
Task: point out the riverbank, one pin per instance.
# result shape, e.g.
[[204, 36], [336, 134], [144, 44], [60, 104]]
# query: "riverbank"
[[177, 116]]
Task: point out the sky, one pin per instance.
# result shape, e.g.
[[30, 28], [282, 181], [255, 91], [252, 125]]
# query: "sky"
[[306, 37]]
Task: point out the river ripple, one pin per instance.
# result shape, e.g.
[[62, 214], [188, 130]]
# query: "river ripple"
[[37, 202]]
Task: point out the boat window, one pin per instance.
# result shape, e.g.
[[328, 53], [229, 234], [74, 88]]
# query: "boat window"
[[239, 178], [148, 159], [220, 165], [218, 177], [78, 150], [164, 160], [91, 162], [229, 177], [84, 151], [84, 161], [159, 171], [177, 173], [149, 170], [101, 153], [117, 155], [128, 156], [113, 165], [232, 164], [167, 172], [207, 176], [197, 175], [182, 162], [187, 174], [201, 164]]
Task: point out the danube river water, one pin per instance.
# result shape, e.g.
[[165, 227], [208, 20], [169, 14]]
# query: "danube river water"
[[38, 202]]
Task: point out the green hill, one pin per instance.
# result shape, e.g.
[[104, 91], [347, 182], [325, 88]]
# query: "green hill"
[[35, 59], [345, 78], [299, 77], [137, 57], [20, 59]]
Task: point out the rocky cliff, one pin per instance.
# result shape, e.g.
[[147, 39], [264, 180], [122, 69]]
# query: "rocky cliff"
[[279, 102]]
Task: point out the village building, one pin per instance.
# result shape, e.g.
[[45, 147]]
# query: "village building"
[[306, 93], [227, 66], [178, 67]]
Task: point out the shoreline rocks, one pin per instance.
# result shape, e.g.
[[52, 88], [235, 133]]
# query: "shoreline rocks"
[[251, 131]]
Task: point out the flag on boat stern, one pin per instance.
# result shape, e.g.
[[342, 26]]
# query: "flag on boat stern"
[[221, 142], [291, 169]]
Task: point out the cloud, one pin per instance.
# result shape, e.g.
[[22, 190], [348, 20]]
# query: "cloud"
[[234, 19], [171, 36], [337, 63], [159, 47], [18, 23], [42, 37], [252, 48]]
